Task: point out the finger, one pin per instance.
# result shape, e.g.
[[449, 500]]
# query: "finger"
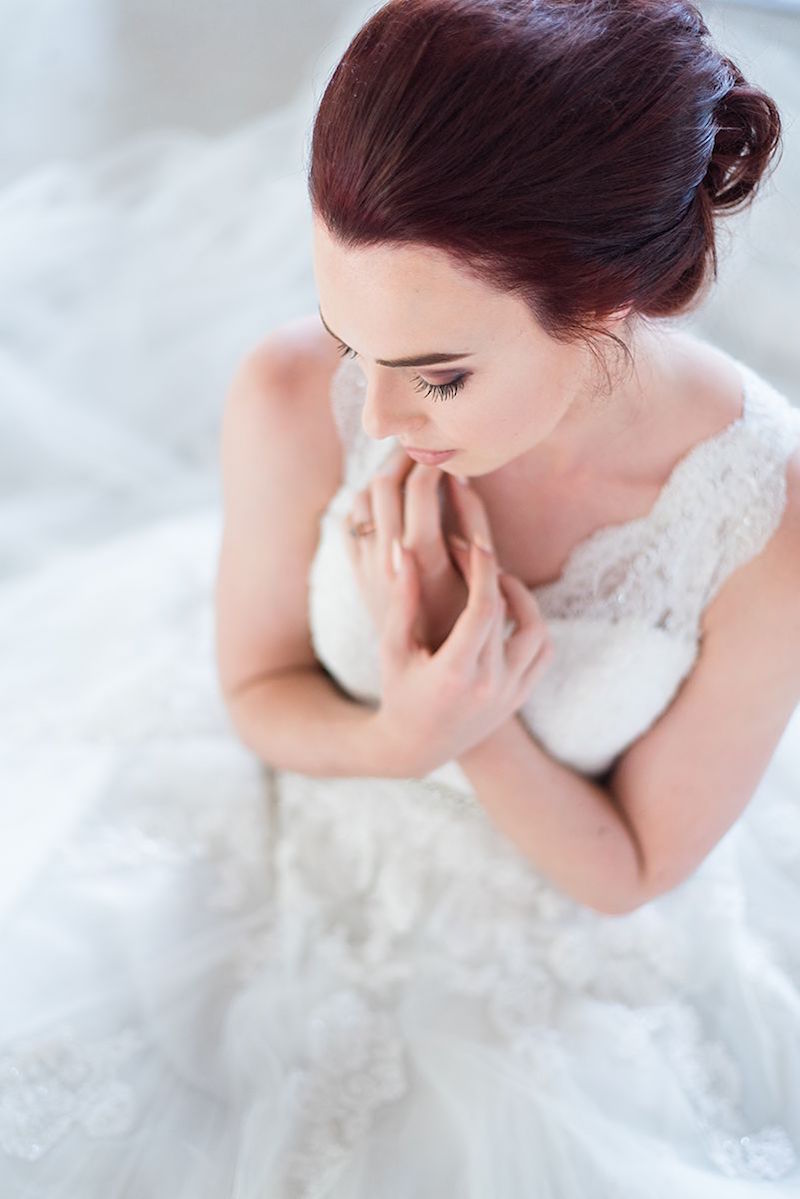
[[461, 649], [398, 464], [404, 598], [361, 509], [422, 515], [491, 663], [472, 515], [533, 672], [531, 635], [387, 513], [351, 541]]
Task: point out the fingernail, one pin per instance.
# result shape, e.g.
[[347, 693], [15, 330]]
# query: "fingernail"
[[397, 557], [482, 544], [462, 479]]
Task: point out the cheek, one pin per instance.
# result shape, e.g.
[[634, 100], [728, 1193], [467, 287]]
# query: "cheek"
[[507, 425]]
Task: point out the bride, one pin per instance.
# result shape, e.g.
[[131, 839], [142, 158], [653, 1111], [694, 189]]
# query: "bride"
[[509, 907]]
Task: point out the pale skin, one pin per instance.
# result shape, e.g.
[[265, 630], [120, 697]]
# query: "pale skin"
[[548, 463], [550, 453], [540, 460], [550, 460], [436, 706]]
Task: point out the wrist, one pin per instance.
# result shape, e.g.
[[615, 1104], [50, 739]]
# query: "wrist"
[[501, 740], [387, 756]]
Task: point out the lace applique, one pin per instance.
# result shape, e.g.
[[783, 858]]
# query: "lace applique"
[[720, 505], [414, 865], [713, 1083], [353, 898], [46, 1086], [718, 508], [523, 969], [354, 1066]]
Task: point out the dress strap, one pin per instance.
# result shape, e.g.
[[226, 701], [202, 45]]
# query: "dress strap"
[[718, 509], [746, 494]]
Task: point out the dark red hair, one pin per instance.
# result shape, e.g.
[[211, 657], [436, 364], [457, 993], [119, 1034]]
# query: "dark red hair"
[[574, 152]]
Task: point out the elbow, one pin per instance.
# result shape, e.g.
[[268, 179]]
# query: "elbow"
[[622, 907], [638, 890], [648, 886], [634, 882]]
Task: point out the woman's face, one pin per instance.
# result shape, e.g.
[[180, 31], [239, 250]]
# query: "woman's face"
[[514, 390]]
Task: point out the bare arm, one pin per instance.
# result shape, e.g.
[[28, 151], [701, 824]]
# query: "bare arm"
[[568, 826], [300, 720], [280, 699]]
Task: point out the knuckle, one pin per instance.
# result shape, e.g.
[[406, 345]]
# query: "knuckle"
[[485, 606], [539, 659], [453, 680], [537, 636]]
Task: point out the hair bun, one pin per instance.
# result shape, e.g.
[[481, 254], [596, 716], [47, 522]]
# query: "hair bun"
[[748, 134]]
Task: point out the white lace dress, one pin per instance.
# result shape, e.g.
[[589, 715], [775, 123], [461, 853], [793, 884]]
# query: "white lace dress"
[[221, 980]]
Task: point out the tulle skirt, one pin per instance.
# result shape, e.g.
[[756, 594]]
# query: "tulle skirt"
[[225, 981], [222, 979]]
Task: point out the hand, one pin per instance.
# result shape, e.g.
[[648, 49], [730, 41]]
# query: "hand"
[[413, 515], [435, 706]]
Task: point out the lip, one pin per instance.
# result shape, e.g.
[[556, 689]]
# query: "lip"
[[429, 457]]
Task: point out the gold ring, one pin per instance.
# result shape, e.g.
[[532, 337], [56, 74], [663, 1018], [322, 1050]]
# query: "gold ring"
[[362, 528]]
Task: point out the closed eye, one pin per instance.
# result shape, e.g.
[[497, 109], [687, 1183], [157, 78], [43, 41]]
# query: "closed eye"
[[442, 391]]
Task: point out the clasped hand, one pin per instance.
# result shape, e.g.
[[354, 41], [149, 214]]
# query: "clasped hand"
[[449, 677]]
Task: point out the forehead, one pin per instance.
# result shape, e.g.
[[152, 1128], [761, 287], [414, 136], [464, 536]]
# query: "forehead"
[[419, 290], [398, 266]]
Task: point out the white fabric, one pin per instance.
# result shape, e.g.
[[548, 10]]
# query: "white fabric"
[[221, 981], [624, 615]]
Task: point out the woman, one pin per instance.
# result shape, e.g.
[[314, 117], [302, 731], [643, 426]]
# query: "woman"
[[496, 188], [505, 932]]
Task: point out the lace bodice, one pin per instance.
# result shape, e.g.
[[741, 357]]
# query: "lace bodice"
[[625, 614]]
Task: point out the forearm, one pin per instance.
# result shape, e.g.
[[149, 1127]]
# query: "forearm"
[[565, 824], [301, 721]]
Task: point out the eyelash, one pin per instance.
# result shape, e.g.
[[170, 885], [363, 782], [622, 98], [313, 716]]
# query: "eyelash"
[[442, 391]]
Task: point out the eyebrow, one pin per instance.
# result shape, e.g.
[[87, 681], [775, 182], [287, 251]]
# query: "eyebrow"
[[415, 360]]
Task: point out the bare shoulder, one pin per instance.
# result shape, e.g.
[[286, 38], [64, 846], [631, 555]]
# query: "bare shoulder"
[[700, 397], [281, 463], [712, 381], [291, 369]]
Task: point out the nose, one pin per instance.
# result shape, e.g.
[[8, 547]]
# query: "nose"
[[377, 418]]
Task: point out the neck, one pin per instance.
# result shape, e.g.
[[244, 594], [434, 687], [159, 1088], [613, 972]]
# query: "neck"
[[599, 433]]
